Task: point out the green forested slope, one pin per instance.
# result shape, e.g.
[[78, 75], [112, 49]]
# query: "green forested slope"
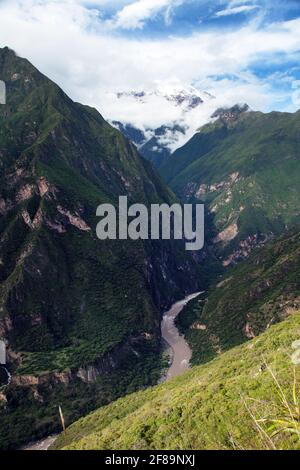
[[253, 295], [245, 166]]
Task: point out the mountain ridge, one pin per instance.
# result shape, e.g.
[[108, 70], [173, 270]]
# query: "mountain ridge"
[[244, 167]]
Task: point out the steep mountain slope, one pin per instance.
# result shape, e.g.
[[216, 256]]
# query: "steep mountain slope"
[[245, 166], [253, 295], [77, 314], [213, 406]]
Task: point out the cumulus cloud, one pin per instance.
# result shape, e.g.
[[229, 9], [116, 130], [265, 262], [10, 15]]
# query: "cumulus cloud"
[[236, 10], [134, 15], [71, 43]]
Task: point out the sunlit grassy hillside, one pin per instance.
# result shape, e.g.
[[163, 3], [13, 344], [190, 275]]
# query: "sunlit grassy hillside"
[[231, 402]]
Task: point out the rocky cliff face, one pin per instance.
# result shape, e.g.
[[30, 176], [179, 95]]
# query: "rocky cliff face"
[[69, 302]]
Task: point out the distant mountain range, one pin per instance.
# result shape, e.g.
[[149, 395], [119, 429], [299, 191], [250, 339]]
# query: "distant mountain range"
[[157, 143], [187, 98]]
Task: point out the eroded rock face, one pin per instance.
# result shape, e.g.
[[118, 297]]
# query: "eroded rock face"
[[227, 234], [43, 186], [202, 190], [198, 326], [74, 219], [205, 189], [249, 331], [25, 193], [245, 248], [32, 381], [26, 218], [25, 380], [25, 253], [231, 115], [37, 220], [3, 399], [56, 226], [5, 325]]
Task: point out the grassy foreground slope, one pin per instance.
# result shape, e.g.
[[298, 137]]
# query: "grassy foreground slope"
[[213, 406]]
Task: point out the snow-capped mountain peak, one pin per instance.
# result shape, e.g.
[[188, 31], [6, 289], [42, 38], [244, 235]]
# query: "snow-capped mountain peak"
[[186, 98]]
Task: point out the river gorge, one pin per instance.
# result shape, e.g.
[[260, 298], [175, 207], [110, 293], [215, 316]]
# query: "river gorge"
[[180, 352]]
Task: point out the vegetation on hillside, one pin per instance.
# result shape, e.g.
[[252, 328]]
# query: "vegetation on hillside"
[[245, 167], [219, 405], [81, 318], [250, 297]]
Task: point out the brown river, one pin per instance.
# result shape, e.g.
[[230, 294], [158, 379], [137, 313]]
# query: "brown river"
[[180, 351]]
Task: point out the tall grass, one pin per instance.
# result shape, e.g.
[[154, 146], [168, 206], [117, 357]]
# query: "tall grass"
[[281, 419]]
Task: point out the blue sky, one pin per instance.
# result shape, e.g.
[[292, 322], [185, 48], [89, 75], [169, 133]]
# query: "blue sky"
[[186, 17], [237, 50]]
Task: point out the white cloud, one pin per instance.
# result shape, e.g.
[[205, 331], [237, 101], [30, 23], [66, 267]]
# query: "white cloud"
[[233, 3], [74, 47], [134, 15], [235, 10]]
